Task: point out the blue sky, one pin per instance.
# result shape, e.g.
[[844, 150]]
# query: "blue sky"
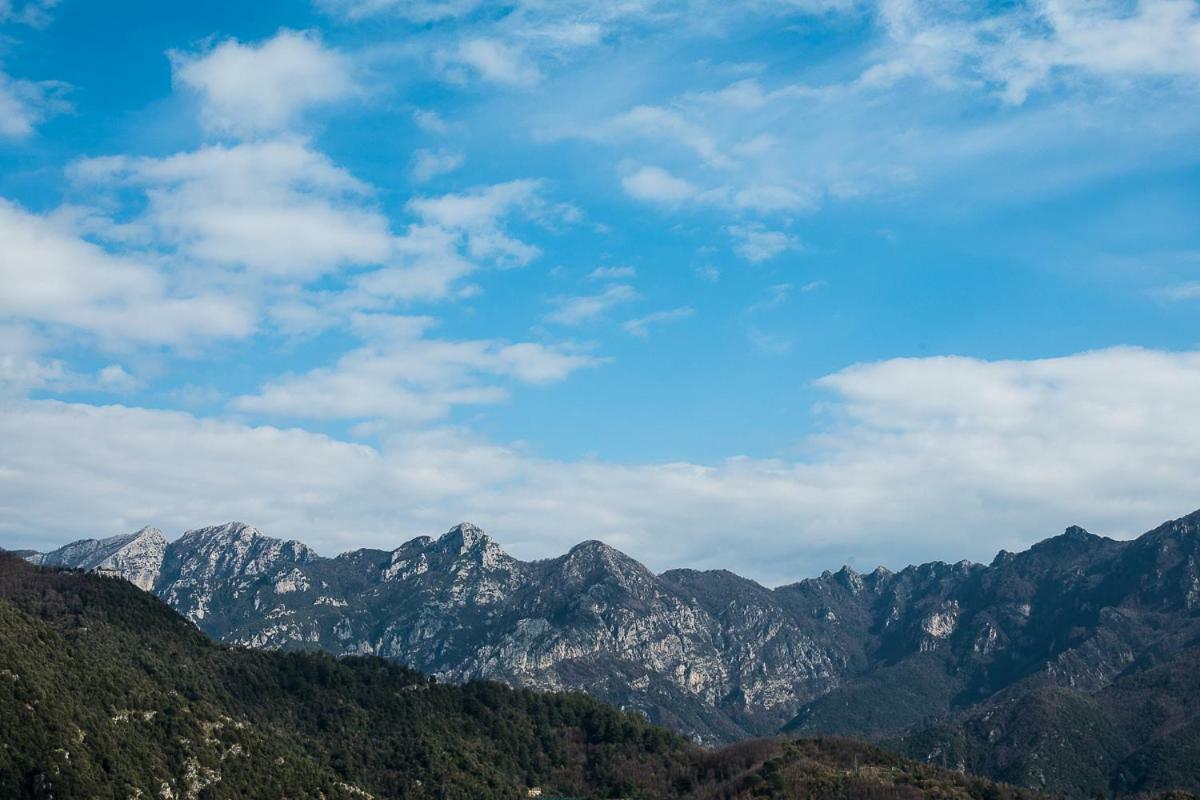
[[774, 287]]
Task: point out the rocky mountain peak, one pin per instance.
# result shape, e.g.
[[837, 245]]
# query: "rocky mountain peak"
[[592, 561], [465, 536], [1073, 537], [467, 547], [230, 531], [136, 556], [849, 579], [1078, 534], [596, 552], [236, 547], [150, 533]]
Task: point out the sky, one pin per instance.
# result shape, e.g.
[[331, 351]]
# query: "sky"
[[772, 286]]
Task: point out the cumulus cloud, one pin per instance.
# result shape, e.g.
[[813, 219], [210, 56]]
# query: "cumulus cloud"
[[656, 185], [578, 309], [495, 61], [1019, 48], [254, 88], [51, 275], [24, 366], [923, 458], [277, 208], [402, 376], [477, 214], [261, 218]]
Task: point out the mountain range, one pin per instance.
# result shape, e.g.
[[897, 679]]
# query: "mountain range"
[[107, 692], [1073, 666]]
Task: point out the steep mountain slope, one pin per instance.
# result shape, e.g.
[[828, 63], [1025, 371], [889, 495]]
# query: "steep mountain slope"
[[106, 692], [915, 658], [137, 557], [1070, 667]]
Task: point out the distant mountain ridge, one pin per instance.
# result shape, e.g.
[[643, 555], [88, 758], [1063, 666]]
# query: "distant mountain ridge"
[[963, 664]]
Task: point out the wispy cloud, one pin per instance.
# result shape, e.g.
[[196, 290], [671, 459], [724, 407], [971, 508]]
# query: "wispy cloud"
[[401, 375], [1179, 292], [25, 104], [769, 343], [577, 309], [755, 243], [777, 295], [640, 326], [612, 273]]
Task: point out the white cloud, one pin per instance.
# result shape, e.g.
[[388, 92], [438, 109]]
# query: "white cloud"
[[1019, 48], [428, 164], [25, 104], [612, 273], [769, 343], [414, 10], [51, 275], [578, 309], [656, 185], [777, 296], [115, 378], [927, 458], [1180, 292], [23, 364], [755, 243], [402, 376], [477, 214], [277, 208], [34, 13], [655, 122], [427, 265], [496, 62], [252, 88], [262, 221], [430, 121], [640, 327]]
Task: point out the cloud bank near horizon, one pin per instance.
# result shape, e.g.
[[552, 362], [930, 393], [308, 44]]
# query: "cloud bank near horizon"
[[921, 459]]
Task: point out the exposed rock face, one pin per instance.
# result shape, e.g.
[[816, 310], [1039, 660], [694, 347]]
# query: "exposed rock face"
[[137, 557], [884, 655]]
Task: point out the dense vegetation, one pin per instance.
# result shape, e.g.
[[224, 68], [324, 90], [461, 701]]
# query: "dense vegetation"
[[106, 692]]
